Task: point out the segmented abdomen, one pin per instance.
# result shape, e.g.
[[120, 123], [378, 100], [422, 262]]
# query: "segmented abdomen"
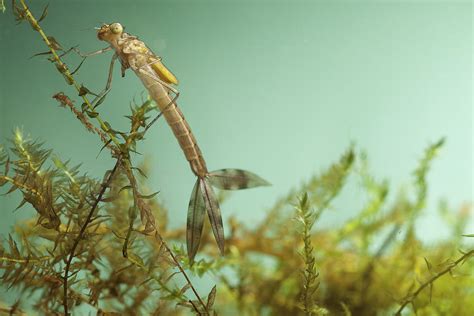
[[176, 121]]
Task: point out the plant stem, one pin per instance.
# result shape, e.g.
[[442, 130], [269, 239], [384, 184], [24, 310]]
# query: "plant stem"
[[105, 184], [28, 260], [178, 264], [133, 183], [453, 265], [21, 186]]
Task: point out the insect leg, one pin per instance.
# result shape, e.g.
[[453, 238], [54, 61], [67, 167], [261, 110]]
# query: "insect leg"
[[167, 86], [85, 55], [101, 96]]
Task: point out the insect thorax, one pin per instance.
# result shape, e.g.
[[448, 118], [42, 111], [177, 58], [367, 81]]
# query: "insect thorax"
[[133, 51]]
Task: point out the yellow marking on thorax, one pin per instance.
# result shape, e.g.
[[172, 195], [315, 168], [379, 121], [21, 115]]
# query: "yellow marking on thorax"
[[164, 73]]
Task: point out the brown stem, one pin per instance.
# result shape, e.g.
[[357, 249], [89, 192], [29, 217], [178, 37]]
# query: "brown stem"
[[22, 186], [453, 265], [105, 184], [133, 183], [66, 101], [178, 264]]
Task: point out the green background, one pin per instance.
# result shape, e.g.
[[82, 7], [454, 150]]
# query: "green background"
[[280, 88]]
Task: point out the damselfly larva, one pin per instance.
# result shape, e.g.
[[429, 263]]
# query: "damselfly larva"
[[159, 82]]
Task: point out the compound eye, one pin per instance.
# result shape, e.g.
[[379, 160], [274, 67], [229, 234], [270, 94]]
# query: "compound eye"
[[116, 28]]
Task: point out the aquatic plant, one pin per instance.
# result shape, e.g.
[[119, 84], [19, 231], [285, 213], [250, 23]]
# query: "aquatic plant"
[[104, 244]]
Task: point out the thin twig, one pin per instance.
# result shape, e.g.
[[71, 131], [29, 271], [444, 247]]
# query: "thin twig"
[[105, 184], [158, 116], [22, 186], [66, 101], [411, 297], [178, 264], [127, 166], [195, 307], [28, 260]]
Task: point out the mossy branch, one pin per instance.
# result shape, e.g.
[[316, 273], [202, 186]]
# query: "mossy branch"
[[105, 184], [144, 209], [421, 172], [411, 297], [306, 218], [65, 101]]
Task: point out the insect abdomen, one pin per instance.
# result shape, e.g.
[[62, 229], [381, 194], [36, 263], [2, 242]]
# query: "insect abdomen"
[[178, 124]]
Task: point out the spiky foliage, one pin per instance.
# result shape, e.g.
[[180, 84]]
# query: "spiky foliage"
[[261, 271], [306, 219], [372, 264], [105, 271]]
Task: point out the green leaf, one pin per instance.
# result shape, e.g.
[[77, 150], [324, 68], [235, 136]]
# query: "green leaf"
[[132, 213], [12, 188], [83, 91], [84, 107], [5, 159], [428, 265], [105, 145], [110, 198], [21, 204], [211, 297], [44, 14], [58, 163], [140, 171], [92, 114], [41, 54], [54, 43], [100, 101], [345, 309], [183, 290], [127, 187], [135, 259], [107, 128], [149, 196]]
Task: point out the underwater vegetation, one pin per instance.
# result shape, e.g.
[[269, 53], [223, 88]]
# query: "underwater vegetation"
[[102, 244]]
